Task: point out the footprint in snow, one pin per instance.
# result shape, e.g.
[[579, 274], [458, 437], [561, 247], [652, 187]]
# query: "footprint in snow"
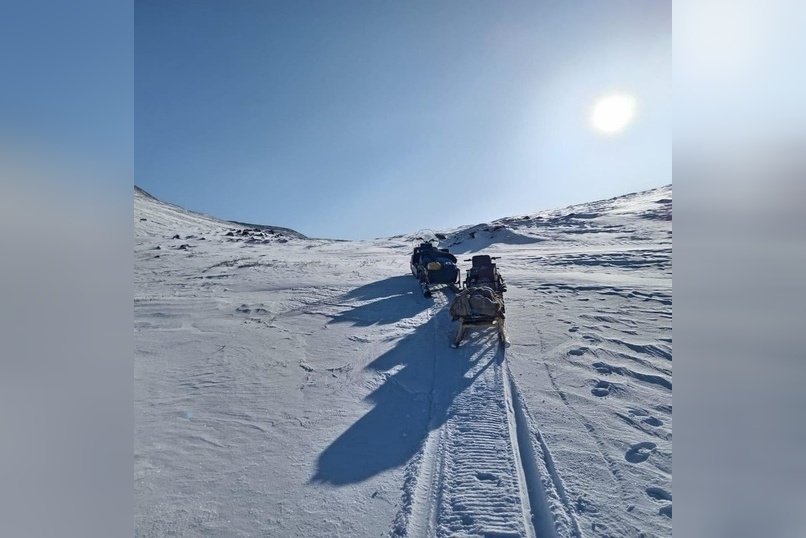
[[602, 368], [601, 389], [666, 511], [640, 452], [658, 494], [647, 418]]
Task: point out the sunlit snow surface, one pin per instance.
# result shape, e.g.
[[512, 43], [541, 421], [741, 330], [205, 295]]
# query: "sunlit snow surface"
[[287, 386]]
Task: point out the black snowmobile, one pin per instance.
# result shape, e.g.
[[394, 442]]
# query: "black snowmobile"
[[433, 266], [484, 273]]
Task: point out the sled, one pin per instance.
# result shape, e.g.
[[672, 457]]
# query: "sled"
[[479, 306], [480, 321]]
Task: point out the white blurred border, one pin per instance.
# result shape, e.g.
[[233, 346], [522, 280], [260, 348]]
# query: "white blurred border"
[[740, 261], [66, 170]]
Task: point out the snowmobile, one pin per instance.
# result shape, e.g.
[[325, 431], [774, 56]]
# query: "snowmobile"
[[484, 273], [432, 266], [479, 306]]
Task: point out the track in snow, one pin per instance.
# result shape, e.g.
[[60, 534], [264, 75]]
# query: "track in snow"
[[469, 478]]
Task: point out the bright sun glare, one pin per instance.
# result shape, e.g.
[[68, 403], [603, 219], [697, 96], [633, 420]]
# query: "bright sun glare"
[[612, 113]]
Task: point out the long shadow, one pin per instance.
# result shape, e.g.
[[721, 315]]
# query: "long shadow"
[[399, 297], [395, 285], [408, 404]]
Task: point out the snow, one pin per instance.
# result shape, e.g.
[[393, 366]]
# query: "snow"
[[287, 386]]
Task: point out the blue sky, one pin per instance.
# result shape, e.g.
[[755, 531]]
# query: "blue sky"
[[365, 119], [66, 101]]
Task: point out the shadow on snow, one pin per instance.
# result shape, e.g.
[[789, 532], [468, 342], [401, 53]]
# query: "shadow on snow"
[[427, 376], [397, 298], [395, 285]]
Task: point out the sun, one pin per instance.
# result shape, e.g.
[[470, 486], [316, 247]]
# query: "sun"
[[612, 113]]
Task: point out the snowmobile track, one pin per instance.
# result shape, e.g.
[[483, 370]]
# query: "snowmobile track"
[[474, 474], [553, 514]]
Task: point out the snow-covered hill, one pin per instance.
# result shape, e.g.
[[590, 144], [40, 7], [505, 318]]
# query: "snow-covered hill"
[[155, 217], [603, 222], [286, 386]]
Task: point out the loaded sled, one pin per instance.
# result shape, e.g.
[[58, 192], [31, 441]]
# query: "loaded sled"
[[434, 266], [478, 306]]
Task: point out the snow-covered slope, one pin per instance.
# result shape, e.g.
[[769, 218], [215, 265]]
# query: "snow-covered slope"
[[294, 387], [603, 222], [155, 217]]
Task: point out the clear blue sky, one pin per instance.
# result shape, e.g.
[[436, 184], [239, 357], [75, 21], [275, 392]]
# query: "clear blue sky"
[[360, 119]]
